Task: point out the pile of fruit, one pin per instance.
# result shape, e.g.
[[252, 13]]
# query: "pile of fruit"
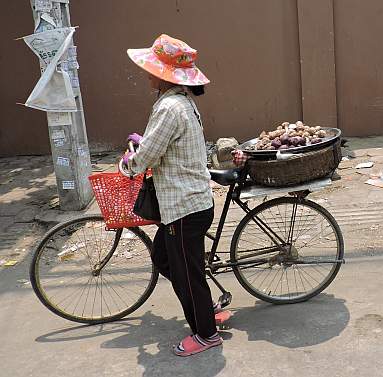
[[288, 135]]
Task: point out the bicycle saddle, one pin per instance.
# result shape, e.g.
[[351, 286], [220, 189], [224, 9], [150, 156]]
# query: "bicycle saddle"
[[225, 177]]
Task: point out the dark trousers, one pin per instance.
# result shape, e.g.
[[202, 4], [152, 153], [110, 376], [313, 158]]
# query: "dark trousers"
[[179, 255]]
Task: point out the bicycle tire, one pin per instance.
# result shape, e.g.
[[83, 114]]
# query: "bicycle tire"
[[41, 252], [264, 294]]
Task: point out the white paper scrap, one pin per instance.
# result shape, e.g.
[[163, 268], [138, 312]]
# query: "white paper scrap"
[[364, 165], [63, 161], [75, 82], [72, 52], [375, 182], [44, 22], [60, 134], [53, 92], [82, 151], [56, 13], [47, 44], [68, 185], [59, 142], [73, 64], [59, 119], [43, 5], [64, 65]]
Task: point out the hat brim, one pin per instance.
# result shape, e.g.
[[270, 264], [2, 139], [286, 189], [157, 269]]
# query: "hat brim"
[[147, 60]]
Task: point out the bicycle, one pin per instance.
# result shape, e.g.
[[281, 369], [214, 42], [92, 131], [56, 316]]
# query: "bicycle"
[[285, 250]]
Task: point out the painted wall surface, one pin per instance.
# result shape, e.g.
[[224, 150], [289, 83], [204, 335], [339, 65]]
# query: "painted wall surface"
[[359, 65], [253, 51], [248, 49]]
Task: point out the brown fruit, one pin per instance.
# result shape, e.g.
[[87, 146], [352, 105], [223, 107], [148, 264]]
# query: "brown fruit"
[[302, 141], [284, 139], [295, 141], [276, 143]]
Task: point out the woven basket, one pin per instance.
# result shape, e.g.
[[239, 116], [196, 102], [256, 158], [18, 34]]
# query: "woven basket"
[[300, 168]]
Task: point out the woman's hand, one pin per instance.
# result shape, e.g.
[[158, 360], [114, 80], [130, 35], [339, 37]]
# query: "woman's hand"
[[126, 157], [123, 164], [239, 158], [135, 138]]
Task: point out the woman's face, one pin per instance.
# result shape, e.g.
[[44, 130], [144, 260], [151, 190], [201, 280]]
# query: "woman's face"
[[154, 81]]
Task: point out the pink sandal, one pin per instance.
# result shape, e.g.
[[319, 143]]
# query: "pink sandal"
[[191, 345], [222, 316]]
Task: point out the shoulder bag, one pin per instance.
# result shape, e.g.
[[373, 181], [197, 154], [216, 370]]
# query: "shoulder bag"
[[146, 205]]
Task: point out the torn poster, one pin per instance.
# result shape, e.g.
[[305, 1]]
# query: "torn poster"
[[56, 14], [58, 138], [63, 161], [44, 22], [47, 44], [43, 5], [53, 92], [68, 185], [59, 119]]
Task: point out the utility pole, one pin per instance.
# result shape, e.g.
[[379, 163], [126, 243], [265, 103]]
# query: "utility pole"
[[67, 132]]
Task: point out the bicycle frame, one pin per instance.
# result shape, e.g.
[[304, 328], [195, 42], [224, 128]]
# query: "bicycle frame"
[[234, 194]]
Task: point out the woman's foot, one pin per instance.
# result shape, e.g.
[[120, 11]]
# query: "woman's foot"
[[194, 344], [220, 314]]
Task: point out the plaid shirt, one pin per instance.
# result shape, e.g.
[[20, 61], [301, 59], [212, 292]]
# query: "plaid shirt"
[[173, 145]]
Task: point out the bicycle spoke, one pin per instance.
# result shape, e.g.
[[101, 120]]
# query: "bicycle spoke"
[[82, 292], [117, 294]]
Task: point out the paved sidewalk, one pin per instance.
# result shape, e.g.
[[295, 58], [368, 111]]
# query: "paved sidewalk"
[[29, 202]]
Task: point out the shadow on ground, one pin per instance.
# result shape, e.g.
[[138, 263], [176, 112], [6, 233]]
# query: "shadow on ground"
[[293, 326], [153, 336]]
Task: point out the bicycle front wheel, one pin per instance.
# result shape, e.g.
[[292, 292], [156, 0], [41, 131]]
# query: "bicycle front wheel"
[[85, 273], [301, 264]]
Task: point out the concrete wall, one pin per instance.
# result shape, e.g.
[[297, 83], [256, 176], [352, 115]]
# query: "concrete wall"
[[359, 65], [268, 61]]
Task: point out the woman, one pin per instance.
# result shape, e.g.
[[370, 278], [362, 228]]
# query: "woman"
[[174, 147]]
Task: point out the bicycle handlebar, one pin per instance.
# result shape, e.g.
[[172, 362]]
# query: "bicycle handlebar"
[[121, 166]]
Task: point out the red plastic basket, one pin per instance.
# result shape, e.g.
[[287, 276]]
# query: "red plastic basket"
[[116, 195]]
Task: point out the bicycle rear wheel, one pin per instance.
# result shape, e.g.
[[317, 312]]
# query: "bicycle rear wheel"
[[309, 257], [67, 277]]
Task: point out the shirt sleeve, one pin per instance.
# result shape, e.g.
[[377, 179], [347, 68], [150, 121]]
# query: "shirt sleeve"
[[160, 132]]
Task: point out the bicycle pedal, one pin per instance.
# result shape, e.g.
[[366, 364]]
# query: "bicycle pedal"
[[225, 299]]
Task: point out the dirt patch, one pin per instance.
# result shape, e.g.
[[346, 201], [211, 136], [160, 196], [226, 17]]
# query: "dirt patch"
[[370, 324]]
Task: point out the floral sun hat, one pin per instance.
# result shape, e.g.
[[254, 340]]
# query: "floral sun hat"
[[171, 60]]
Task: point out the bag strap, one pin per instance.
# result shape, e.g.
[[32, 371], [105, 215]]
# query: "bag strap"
[[196, 113]]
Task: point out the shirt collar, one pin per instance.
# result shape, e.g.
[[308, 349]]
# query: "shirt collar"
[[173, 90]]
